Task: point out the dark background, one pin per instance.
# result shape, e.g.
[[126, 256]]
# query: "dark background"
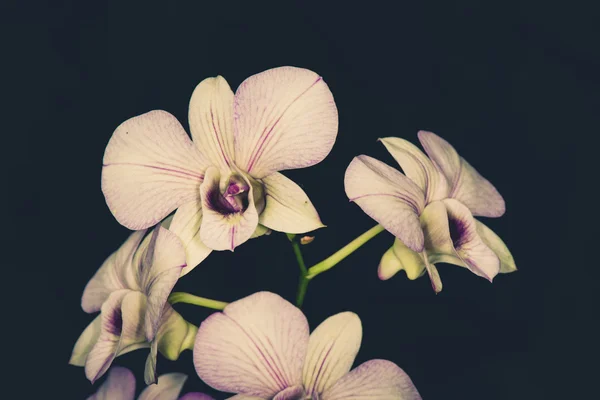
[[512, 87]]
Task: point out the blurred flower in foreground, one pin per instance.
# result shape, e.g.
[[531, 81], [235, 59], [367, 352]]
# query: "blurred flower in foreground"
[[120, 385], [224, 185], [260, 348], [430, 209], [130, 290]]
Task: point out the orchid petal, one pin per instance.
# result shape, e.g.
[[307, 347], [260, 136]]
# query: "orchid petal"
[[175, 334], [374, 380], [260, 231], [195, 396], [163, 260], [493, 241], [88, 339], [388, 197], [150, 375], [151, 167], [451, 236], [211, 121], [466, 184], [122, 324], [167, 387], [418, 168], [119, 385], [117, 272], [434, 275], [478, 257], [389, 265], [284, 118], [288, 209], [332, 349], [256, 347], [399, 257], [86, 342], [244, 397], [224, 231], [186, 225]]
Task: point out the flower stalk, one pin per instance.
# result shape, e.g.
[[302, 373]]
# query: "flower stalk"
[[306, 274], [183, 297]]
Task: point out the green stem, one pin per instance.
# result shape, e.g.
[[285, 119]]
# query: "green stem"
[[306, 274], [303, 282], [344, 252], [182, 297]]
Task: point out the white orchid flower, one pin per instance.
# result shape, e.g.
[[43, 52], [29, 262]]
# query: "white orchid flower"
[[259, 348], [120, 385], [430, 209], [130, 290], [225, 185]]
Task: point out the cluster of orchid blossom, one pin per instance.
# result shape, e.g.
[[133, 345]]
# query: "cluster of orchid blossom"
[[186, 198]]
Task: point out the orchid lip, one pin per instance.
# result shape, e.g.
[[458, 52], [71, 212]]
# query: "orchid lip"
[[293, 393], [458, 230], [233, 200]]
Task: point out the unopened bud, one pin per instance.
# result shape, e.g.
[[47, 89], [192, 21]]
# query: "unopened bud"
[[307, 239]]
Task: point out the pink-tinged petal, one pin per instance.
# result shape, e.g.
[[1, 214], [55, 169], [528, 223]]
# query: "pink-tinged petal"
[[122, 323], [399, 257], [374, 380], [466, 184], [186, 225], [332, 349], [288, 209], [388, 197], [86, 342], [195, 396], [256, 347], [244, 397], [418, 168], [117, 272], [284, 118], [161, 265], [119, 385], [211, 121], [224, 229], [151, 167], [168, 387], [493, 241]]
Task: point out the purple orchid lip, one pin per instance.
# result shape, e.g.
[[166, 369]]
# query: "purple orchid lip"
[[458, 230], [233, 200]]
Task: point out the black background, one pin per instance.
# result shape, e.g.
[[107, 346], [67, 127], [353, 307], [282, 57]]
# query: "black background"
[[511, 87]]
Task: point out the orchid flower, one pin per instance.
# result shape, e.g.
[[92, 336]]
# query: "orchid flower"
[[130, 290], [120, 385], [225, 185], [259, 347], [430, 209]]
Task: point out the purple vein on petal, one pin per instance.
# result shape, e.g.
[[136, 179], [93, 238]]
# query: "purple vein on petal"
[[212, 118], [265, 137], [399, 196], [233, 237], [272, 371], [191, 174], [315, 384]]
